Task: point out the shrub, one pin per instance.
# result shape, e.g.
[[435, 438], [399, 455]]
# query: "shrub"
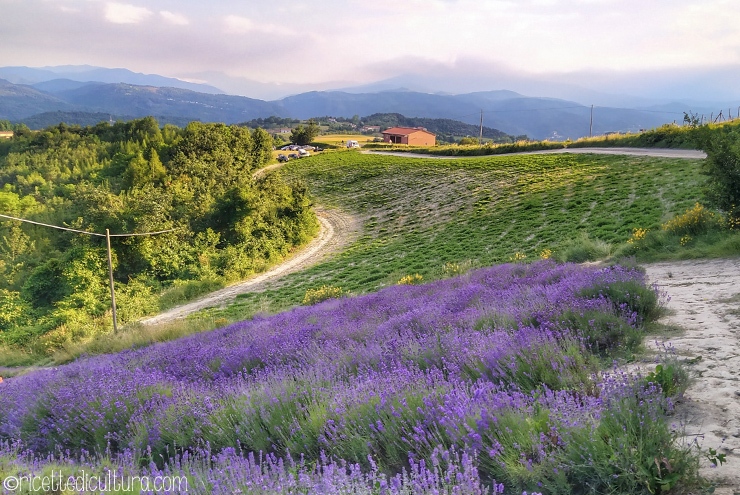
[[411, 279], [671, 376], [722, 168], [628, 296], [694, 221], [323, 293], [583, 249]]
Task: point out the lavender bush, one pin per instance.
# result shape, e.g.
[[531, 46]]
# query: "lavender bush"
[[473, 384]]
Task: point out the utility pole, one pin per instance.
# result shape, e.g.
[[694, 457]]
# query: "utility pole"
[[107, 236], [110, 276], [591, 124], [480, 138]]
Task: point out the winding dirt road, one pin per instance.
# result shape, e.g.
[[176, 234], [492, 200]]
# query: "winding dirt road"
[[705, 303], [336, 231]]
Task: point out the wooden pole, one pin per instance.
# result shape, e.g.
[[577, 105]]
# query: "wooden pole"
[[110, 276]]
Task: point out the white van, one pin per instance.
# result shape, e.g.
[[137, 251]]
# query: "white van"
[[353, 144]]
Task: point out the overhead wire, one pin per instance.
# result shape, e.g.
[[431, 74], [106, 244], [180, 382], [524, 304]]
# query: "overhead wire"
[[83, 231]]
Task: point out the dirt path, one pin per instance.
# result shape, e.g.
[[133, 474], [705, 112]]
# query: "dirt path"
[[705, 302], [656, 152], [337, 229]]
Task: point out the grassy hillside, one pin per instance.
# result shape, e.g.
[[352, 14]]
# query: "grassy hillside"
[[434, 217]]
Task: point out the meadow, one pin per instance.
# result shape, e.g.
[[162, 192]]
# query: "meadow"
[[435, 217], [490, 382]]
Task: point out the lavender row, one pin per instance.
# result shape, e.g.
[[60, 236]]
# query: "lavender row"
[[500, 365]]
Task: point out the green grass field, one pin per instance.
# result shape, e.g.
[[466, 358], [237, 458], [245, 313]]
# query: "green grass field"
[[431, 216]]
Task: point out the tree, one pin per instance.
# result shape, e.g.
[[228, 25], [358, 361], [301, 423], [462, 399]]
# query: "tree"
[[304, 135], [261, 147], [722, 167]]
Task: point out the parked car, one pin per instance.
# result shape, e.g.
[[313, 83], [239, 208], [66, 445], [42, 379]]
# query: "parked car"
[[303, 153], [282, 158], [353, 144], [293, 156]]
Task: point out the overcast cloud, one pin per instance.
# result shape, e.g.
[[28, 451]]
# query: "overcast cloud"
[[334, 43]]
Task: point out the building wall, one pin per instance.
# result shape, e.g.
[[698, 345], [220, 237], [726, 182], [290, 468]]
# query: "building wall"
[[421, 139]]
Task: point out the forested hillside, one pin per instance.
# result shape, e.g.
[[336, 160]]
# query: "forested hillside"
[[444, 128], [134, 178]]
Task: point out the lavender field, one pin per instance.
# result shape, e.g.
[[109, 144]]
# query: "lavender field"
[[498, 381]]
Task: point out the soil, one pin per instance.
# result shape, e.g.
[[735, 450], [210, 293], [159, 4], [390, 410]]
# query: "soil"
[[705, 306], [337, 229]]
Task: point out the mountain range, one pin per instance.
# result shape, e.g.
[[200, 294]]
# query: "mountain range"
[[27, 92]]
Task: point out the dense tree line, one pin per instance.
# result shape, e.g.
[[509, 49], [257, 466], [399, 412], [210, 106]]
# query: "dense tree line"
[[134, 177], [270, 122]]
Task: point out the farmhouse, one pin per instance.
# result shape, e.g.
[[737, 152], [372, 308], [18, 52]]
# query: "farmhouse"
[[6, 134], [415, 136]]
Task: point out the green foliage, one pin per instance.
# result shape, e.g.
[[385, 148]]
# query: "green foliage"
[[136, 177], [656, 461], [722, 168], [694, 221], [322, 293], [583, 248], [305, 134], [630, 297], [468, 141], [14, 311], [671, 376], [605, 335]]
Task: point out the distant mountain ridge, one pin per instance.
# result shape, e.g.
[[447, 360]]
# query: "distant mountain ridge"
[[87, 74], [507, 111]]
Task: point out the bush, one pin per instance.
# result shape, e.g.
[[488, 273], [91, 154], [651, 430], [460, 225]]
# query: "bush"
[[323, 293], [411, 279], [584, 249], [695, 221], [722, 168]]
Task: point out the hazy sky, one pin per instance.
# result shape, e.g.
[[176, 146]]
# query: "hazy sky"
[[357, 41]]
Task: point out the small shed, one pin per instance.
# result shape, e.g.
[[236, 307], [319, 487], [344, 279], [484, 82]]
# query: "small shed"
[[414, 136]]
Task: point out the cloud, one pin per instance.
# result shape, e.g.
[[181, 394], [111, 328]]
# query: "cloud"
[[235, 24], [172, 18], [122, 13]]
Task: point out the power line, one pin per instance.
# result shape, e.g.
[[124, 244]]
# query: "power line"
[[107, 236], [84, 231]]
